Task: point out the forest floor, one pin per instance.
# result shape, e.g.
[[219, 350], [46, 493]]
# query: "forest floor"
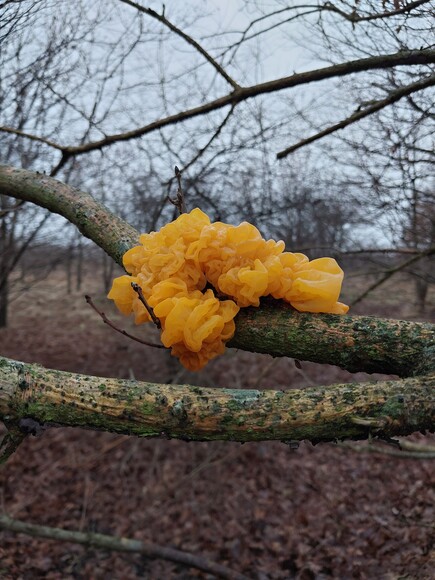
[[265, 509]]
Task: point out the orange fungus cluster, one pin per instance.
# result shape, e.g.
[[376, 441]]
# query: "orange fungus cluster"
[[174, 266]]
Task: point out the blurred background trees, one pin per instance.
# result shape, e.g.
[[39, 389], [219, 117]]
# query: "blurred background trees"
[[88, 93]]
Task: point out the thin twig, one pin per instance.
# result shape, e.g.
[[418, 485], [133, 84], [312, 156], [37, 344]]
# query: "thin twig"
[[265, 372], [359, 114], [32, 137], [210, 141], [403, 453], [142, 298], [162, 18], [303, 374], [354, 17], [380, 251], [120, 330], [392, 271], [106, 542], [179, 200], [331, 248]]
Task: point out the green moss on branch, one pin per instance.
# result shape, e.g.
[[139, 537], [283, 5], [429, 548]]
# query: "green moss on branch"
[[354, 343], [200, 414], [93, 220]]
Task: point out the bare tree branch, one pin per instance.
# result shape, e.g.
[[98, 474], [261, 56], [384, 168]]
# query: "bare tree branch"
[[120, 330], [380, 251], [148, 308], [116, 236], [343, 411], [215, 135], [337, 251], [19, 253], [402, 58], [391, 271], [112, 543], [372, 108], [354, 17], [20, 133], [162, 18]]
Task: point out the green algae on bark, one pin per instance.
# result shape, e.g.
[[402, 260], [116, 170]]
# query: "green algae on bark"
[[198, 413], [94, 220], [354, 343]]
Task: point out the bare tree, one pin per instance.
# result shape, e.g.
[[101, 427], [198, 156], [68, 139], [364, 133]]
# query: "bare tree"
[[386, 160]]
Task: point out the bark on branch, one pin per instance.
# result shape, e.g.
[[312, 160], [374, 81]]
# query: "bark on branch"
[[99, 224], [348, 411], [355, 343]]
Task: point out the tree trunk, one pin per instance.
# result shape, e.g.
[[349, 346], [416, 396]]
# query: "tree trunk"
[[79, 265], [4, 271], [4, 299], [421, 290], [108, 269]]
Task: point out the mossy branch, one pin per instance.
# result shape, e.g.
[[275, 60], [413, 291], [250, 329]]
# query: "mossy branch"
[[354, 343], [347, 411], [94, 221]]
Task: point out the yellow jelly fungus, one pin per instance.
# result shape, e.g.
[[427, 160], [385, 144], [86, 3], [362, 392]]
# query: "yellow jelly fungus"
[[174, 265], [123, 294]]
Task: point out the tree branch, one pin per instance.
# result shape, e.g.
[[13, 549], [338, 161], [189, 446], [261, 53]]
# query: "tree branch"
[[162, 18], [391, 271], [354, 343], [385, 408], [20, 133], [203, 149], [354, 17], [120, 330], [93, 220], [402, 58], [112, 543], [374, 107]]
